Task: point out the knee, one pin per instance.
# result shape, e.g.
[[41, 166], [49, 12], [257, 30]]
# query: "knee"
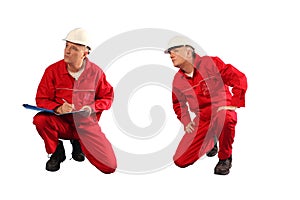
[[230, 119], [109, 169], [179, 162], [40, 120]]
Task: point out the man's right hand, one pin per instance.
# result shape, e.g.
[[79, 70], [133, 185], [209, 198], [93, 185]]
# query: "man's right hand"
[[190, 127], [65, 108]]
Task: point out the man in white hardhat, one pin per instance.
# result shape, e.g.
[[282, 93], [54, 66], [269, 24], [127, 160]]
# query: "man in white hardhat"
[[201, 85], [70, 85], [78, 36], [177, 42]]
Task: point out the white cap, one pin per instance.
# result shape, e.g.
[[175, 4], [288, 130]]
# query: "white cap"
[[78, 36], [178, 41]]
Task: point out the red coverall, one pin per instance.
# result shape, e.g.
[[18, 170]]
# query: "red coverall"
[[204, 93], [90, 89]]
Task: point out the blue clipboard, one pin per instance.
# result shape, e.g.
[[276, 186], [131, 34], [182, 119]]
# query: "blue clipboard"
[[31, 107]]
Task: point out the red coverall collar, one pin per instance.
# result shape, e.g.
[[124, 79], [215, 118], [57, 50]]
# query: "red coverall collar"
[[87, 65], [197, 61]]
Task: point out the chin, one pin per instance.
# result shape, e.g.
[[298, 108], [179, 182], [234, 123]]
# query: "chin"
[[66, 60], [175, 64]]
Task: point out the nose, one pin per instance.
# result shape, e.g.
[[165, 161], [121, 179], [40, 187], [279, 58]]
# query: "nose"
[[172, 54], [67, 49]]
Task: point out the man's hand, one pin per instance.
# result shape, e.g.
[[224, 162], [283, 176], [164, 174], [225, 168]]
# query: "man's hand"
[[65, 108], [190, 127], [226, 108], [87, 111]]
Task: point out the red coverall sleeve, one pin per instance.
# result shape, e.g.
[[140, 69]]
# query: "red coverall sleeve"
[[180, 107], [104, 94], [235, 79], [45, 96]]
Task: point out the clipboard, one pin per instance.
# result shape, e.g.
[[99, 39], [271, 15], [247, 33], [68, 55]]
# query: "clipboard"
[[39, 109]]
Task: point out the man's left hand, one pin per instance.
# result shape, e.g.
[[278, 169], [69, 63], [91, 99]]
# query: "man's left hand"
[[87, 111]]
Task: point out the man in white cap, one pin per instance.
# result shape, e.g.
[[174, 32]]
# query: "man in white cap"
[[201, 86], [73, 84]]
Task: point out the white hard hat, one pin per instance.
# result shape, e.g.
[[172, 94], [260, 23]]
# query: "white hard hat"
[[178, 41], [78, 36]]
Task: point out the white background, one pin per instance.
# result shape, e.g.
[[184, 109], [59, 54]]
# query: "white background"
[[261, 38]]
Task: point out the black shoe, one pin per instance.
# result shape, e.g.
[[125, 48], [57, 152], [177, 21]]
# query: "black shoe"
[[77, 153], [53, 164], [223, 166], [213, 151]]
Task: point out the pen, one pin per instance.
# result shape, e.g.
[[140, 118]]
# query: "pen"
[[73, 107]]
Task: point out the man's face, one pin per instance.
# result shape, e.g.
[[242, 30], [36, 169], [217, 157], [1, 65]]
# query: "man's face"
[[74, 53], [178, 56]]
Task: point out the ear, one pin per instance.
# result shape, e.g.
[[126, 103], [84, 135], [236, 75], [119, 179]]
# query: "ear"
[[85, 54], [189, 53]]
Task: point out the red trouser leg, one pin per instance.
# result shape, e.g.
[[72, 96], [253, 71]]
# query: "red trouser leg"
[[97, 148], [94, 144], [194, 145], [51, 128], [227, 129]]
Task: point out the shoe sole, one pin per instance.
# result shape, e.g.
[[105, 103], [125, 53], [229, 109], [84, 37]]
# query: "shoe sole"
[[222, 173], [78, 160]]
